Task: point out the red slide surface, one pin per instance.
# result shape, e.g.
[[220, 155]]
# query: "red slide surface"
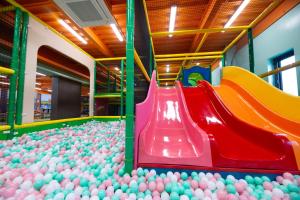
[[234, 143]]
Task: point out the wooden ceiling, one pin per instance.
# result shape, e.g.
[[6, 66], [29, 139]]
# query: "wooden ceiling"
[[191, 14]]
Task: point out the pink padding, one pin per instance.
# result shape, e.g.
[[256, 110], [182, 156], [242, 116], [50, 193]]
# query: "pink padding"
[[165, 133], [142, 113]]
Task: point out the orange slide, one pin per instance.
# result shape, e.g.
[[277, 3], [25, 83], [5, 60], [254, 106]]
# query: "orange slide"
[[250, 106]]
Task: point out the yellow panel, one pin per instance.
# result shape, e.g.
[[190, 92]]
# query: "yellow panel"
[[279, 102]]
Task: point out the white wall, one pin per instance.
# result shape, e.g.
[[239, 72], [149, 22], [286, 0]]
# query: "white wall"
[[281, 36], [39, 35]]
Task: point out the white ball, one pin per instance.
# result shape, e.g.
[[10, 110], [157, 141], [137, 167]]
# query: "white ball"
[[220, 185], [30, 197], [206, 198], [69, 186], [164, 196], [286, 182], [174, 178], [199, 193], [209, 175], [18, 180], [94, 191], [94, 197], [26, 185], [85, 198], [132, 196], [184, 197], [169, 174], [59, 196], [277, 192], [70, 196], [148, 197], [78, 190]]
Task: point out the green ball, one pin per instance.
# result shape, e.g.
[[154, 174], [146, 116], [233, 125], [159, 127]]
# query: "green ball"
[[258, 181], [140, 172], [194, 174], [186, 185], [121, 172], [188, 193], [168, 187], [115, 197], [59, 177], [134, 188], [72, 177], [84, 182], [101, 194], [124, 187], [148, 192], [230, 189], [140, 195], [249, 179], [184, 176], [293, 188], [229, 182], [174, 196], [110, 172], [265, 178], [38, 184], [116, 186], [295, 196]]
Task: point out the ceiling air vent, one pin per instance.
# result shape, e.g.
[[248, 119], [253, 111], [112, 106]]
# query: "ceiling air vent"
[[87, 12]]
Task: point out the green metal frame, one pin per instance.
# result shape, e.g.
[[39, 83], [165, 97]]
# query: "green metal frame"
[[129, 86], [108, 95], [251, 50], [122, 89], [20, 93], [14, 66], [224, 60]]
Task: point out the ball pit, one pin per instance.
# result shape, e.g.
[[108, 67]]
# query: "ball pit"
[[87, 162]]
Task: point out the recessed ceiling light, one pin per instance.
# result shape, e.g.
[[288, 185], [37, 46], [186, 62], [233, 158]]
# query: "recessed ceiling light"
[[40, 74], [172, 19], [1, 76], [38, 88], [116, 68], [4, 83], [64, 24], [117, 32], [237, 13], [197, 63]]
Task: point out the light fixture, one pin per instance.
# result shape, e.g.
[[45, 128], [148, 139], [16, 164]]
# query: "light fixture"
[[117, 32], [4, 83], [237, 13], [197, 63], [40, 74], [64, 24], [49, 90], [38, 83], [166, 83], [172, 20], [38, 88], [168, 68], [116, 68], [1, 76]]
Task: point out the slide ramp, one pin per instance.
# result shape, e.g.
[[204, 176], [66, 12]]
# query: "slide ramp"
[[234, 143]]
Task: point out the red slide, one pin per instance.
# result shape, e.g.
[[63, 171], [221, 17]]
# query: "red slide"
[[236, 144]]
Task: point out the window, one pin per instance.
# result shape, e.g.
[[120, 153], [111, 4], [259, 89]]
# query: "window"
[[289, 77], [285, 80]]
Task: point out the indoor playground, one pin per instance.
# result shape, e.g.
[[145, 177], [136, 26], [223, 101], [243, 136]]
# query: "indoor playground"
[[150, 99]]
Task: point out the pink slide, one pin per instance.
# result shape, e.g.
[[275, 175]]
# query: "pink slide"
[[165, 132]]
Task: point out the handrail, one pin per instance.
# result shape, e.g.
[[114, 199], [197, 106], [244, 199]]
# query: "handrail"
[[6, 71], [280, 69]]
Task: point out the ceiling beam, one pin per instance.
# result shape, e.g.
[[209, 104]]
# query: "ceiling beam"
[[99, 44], [211, 5]]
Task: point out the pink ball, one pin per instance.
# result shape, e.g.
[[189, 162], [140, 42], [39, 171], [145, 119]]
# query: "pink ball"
[[160, 187], [207, 193], [279, 179], [152, 186], [134, 172], [239, 187], [221, 194], [76, 181], [288, 175], [156, 198], [9, 192], [268, 186], [142, 187], [231, 197], [202, 185], [166, 180], [126, 179], [194, 184]]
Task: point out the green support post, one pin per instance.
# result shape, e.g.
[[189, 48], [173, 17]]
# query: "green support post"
[[251, 50], [129, 145], [14, 66], [20, 93], [122, 88], [108, 81], [224, 60], [150, 59]]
